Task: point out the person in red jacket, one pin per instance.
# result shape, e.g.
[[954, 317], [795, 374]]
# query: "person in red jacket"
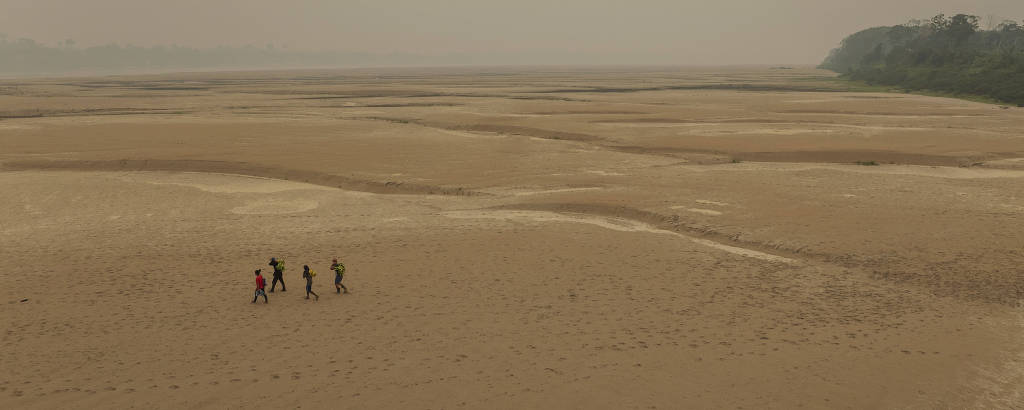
[[261, 285]]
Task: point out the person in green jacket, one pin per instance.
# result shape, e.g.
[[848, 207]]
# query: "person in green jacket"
[[339, 274]]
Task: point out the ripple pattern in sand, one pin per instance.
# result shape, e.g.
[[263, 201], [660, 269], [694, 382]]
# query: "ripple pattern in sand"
[[276, 207]]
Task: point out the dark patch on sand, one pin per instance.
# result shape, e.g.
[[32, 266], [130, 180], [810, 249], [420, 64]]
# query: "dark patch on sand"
[[241, 168]]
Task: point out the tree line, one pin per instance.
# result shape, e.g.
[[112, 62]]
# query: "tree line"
[[943, 54]]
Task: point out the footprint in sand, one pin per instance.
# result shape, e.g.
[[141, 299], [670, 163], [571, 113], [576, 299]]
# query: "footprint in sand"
[[1012, 207], [32, 209]]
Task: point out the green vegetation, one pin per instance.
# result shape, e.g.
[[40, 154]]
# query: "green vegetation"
[[867, 163], [942, 56]]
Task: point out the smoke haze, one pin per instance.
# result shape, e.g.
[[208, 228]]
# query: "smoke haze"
[[491, 32]]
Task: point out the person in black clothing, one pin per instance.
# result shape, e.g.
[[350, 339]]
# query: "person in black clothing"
[[278, 274]]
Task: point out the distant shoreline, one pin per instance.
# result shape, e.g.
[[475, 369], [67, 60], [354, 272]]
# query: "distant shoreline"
[[397, 68]]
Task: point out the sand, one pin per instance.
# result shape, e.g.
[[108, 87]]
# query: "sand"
[[514, 238]]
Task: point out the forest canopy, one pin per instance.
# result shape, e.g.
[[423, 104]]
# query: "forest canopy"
[[943, 54]]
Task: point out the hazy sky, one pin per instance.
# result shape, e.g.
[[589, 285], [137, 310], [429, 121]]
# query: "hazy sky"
[[538, 31]]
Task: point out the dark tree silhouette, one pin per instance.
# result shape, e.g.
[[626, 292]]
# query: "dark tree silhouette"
[[942, 54]]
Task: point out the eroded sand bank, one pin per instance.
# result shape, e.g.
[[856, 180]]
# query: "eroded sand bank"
[[510, 243]]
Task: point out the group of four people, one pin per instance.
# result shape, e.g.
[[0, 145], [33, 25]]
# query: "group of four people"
[[307, 274]]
